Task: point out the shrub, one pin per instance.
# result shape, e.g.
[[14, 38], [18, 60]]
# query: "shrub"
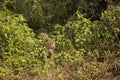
[[18, 46]]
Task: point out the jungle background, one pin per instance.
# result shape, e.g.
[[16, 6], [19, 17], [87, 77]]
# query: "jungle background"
[[86, 32]]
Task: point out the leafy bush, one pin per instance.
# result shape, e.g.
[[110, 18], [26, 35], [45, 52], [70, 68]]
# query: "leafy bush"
[[78, 30], [84, 49], [95, 42], [18, 47], [62, 44], [106, 32], [31, 9]]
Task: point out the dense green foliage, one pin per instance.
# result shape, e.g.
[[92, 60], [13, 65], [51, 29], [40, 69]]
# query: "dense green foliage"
[[18, 44], [46, 13], [87, 38]]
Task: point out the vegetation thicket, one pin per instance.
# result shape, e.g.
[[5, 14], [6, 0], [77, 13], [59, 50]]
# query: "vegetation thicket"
[[86, 33]]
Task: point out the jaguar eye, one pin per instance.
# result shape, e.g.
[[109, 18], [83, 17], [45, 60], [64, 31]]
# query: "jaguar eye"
[[46, 40], [52, 47]]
